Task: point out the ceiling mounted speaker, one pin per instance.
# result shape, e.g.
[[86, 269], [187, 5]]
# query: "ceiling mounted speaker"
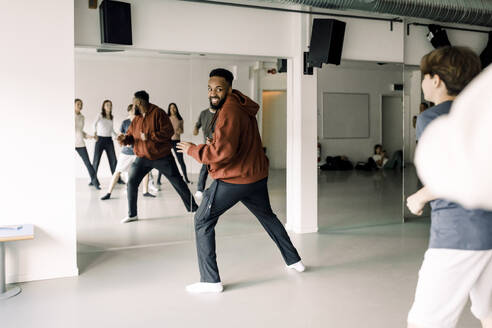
[[326, 42], [437, 36], [115, 22]]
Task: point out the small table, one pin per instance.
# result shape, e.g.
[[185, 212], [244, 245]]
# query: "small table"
[[11, 233]]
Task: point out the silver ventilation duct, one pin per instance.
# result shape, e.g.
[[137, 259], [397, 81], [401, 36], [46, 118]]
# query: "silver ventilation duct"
[[472, 12]]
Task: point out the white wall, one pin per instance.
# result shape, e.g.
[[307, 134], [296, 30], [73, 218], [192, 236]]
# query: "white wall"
[[355, 80], [182, 26], [274, 131], [413, 98], [118, 76], [37, 83]]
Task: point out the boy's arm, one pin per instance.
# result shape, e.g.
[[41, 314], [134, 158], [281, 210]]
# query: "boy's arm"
[[417, 201]]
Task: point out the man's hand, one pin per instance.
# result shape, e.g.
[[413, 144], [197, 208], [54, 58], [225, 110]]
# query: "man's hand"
[[142, 136], [121, 139], [195, 131], [183, 146], [416, 203]]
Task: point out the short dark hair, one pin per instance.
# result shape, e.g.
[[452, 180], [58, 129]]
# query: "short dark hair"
[[222, 72], [77, 99], [142, 94], [455, 66], [129, 108], [377, 146]]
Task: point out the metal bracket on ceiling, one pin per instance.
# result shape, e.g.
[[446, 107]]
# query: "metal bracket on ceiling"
[[447, 27], [396, 19]]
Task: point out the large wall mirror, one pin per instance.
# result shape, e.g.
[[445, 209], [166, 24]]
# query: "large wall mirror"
[[360, 135], [176, 83]]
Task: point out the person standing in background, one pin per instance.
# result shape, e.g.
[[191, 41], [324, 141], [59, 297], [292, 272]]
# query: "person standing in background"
[[177, 122], [150, 135], [205, 121], [80, 135], [104, 131], [126, 158]]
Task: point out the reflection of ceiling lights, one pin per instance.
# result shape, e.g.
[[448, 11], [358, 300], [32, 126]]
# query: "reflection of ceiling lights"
[[109, 50], [174, 53]]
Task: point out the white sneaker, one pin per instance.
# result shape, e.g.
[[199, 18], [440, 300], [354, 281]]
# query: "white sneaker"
[[299, 267], [129, 219], [205, 287], [152, 188], [199, 195]]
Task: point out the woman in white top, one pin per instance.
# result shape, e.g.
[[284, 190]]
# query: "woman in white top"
[[80, 135], [103, 133]]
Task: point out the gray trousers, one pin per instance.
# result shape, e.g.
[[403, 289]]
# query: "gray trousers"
[[220, 197]]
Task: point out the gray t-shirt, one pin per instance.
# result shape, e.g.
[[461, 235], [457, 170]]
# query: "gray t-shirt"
[[453, 226], [127, 150], [205, 122]]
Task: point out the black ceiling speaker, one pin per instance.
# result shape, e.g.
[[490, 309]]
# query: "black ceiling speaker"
[[437, 36], [115, 22], [326, 42], [486, 55], [282, 65]]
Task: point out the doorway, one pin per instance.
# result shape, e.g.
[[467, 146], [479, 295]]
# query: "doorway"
[[274, 127]]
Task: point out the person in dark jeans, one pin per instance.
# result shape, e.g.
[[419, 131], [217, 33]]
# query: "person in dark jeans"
[[80, 135], [239, 166], [205, 122], [103, 133], [177, 122], [150, 134]]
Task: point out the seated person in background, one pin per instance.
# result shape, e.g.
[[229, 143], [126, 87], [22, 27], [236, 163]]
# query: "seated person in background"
[[380, 160]]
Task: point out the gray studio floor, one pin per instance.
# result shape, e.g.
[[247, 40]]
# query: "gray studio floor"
[[362, 265]]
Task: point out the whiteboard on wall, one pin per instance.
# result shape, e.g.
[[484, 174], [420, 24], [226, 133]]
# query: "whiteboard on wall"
[[345, 115]]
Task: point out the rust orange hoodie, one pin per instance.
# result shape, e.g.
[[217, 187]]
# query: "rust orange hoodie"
[[235, 154]]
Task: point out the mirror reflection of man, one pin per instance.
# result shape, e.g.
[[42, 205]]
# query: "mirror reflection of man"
[[238, 164], [205, 122], [150, 134]]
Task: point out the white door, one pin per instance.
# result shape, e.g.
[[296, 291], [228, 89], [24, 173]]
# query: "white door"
[[274, 127], [392, 124]]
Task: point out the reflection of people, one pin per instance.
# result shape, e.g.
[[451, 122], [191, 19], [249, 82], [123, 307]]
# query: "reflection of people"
[[104, 131], [150, 134], [458, 263], [126, 158], [205, 121], [239, 166], [177, 122], [80, 135], [380, 159]]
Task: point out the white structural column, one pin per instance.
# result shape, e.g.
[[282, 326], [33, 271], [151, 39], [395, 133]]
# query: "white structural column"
[[302, 182]]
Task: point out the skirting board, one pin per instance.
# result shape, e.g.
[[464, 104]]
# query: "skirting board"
[[299, 230], [42, 276]]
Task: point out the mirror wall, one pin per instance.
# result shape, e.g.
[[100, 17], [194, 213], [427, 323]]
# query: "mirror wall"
[[360, 134], [415, 47], [168, 78]]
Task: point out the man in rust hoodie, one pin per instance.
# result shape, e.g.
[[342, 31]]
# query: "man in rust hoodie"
[[237, 162], [150, 135]]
